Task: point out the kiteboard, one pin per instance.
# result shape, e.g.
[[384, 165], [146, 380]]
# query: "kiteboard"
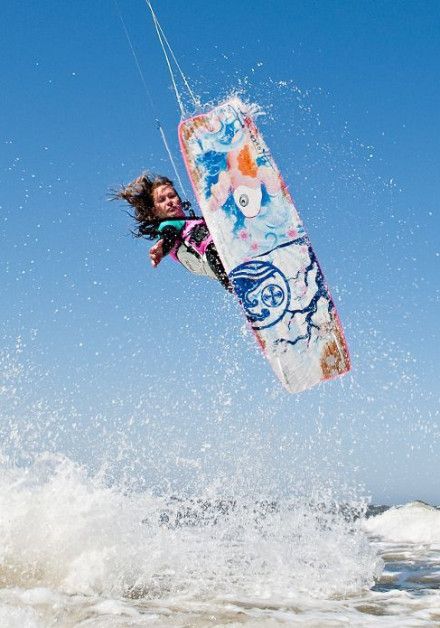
[[263, 246]]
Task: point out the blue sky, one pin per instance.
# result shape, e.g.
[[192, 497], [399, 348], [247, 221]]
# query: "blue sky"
[[116, 355]]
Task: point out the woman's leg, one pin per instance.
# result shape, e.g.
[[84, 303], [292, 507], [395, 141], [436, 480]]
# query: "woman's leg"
[[216, 266]]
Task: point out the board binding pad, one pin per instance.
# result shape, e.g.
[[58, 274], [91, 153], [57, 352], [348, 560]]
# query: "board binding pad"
[[263, 246]]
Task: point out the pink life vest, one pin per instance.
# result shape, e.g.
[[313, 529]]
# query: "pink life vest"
[[191, 244]]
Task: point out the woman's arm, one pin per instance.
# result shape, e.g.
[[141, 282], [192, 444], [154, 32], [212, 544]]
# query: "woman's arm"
[[156, 253]]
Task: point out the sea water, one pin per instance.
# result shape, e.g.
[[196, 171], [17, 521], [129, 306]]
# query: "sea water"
[[261, 538], [75, 552]]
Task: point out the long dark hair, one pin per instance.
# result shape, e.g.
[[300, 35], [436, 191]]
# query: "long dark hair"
[[139, 194]]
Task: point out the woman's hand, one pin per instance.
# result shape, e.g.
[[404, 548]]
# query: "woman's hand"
[[156, 253]]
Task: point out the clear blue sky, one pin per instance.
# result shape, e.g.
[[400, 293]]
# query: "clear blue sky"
[[118, 354]]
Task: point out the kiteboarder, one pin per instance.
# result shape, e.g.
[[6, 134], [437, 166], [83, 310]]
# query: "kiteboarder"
[[160, 215]]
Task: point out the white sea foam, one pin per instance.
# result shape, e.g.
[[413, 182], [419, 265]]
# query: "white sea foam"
[[413, 523], [62, 529]]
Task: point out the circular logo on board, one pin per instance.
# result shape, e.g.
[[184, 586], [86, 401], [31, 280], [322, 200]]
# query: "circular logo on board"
[[263, 291]]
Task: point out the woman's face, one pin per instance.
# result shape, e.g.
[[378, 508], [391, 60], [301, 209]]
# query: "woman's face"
[[167, 203]]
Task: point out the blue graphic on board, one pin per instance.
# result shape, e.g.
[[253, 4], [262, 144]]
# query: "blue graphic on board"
[[247, 188], [263, 291]]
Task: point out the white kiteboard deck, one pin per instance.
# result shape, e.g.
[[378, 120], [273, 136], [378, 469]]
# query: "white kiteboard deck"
[[263, 246]]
